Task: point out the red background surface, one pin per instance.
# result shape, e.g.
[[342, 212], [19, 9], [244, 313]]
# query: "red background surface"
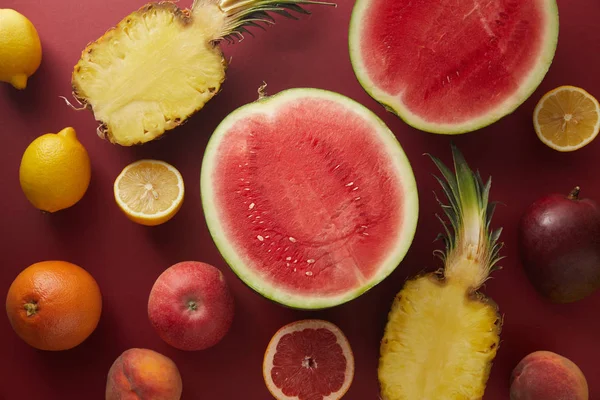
[[126, 258]]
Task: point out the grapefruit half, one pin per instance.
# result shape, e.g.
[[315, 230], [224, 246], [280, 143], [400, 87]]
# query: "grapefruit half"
[[309, 197], [308, 360], [455, 66]]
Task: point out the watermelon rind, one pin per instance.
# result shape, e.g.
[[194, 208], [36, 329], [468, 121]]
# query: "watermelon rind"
[[395, 105], [251, 278]]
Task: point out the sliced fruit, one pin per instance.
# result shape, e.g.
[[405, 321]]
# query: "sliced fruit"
[[161, 64], [55, 171], [442, 333], [308, 360], [567, 118], [309, 197], [452, 67], [149, 192]]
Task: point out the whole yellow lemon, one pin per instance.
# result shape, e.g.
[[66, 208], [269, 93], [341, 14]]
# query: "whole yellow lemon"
[[20, 48], [55, 171]]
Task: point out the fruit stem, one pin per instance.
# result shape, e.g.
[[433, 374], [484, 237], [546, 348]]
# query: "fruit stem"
[[262, 92], [192, 305], [574, 195], [31, 309]]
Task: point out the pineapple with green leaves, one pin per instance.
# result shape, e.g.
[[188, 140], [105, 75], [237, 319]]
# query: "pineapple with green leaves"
[[442, 333], [161, 64]]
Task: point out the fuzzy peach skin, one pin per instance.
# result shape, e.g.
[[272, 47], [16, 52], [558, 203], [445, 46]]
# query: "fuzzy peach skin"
[[142, 374], [544, 375]]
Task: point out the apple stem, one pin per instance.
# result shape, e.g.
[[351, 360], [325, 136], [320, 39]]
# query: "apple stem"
[[192, 305], [574, 195]]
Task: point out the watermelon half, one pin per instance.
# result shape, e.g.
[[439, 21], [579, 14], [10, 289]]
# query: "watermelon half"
[[452, 66], [309, 197]]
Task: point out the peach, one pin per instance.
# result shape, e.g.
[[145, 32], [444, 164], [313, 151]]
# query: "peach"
[[190, 306], [543, 375], [142, 374]]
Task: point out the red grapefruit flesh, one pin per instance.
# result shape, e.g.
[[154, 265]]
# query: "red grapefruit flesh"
[[309, 197], [308, 360], [452, 66]]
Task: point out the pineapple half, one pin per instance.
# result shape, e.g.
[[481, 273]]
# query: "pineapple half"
[[161, 64], [442, 334]]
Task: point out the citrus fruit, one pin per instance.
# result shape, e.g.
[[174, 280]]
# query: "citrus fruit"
[[20, 48], [149, 192], [55, 171], [308, 360], [567, 118], [54, 305]]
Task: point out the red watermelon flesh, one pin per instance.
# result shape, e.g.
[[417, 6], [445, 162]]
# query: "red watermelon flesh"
[[310, 202], [452, 63]]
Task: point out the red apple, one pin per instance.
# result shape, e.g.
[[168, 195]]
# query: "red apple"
[[190, 306], [559, 243]]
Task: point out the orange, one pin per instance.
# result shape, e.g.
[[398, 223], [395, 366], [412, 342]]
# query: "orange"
[[567, 118], [54, 305]]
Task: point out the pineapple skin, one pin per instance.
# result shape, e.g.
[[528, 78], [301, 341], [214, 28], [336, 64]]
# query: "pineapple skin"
[[439, 342], [185, 19]]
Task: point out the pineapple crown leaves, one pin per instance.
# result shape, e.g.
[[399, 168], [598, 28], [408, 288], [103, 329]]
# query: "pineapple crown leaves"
[[241, 14], [469, 212]]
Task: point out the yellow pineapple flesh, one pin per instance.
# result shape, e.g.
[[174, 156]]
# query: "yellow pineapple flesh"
[[442, 334], [150, 73], [161, 64]]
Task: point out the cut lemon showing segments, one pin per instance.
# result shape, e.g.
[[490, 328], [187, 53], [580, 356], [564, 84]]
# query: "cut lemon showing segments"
[[567, 118], [149, 192]]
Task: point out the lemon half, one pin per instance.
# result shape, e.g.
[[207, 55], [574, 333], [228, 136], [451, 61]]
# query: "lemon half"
[[567, 118], [149, 192]]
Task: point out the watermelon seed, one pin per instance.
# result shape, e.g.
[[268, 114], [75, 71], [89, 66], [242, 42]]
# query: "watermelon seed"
[[309, 273], [355, 188], [350, 184], [293, 240], [310, 261], [288, 258], [251, 206], [262, 239]]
